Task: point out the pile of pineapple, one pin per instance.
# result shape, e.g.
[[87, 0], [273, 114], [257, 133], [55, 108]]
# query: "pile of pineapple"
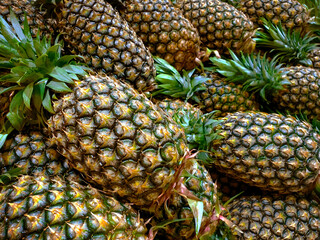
[[159, 119]]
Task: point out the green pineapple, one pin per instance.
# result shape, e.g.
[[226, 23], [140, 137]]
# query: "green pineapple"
[[95, 30], [164, 30], [51, 208], [294, 90], [269, 151], [276, 217], [220, 25], [209, 90]]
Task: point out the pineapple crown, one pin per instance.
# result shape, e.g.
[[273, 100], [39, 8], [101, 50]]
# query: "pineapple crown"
[[200, 130], [287, 45], [255, 72], [172, 83], [37, 71]]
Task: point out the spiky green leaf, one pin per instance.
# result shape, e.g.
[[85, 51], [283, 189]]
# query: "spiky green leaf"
[[46, 103], [16, 120], [59, 86], [61, 75], [197, 210], [27, 94]]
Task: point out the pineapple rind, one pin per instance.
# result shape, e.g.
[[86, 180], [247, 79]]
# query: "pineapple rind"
[[51, 208], [118, 139], [220, 25], [226, 97], [302, 95], [96, 31], [164, 30], [290, 13], [270, 151], [276, 217], [36, 19], [34, 154]]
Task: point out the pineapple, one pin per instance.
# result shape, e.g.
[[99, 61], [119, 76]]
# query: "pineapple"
[[302, 95], [269, 151], [290, 13], [220, 25], [37, 20], [276, 217], [34, 154], [118, 139], [106, 130], [95, 30], [208, 89], [51, 208], [294, 90], [164, 30], [290, 46], [315, 58]]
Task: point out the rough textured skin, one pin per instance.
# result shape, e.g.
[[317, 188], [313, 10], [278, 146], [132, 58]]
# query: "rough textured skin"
[[35, 154], [36, 20], [225, 97], [96, 31], [276, 217], [315, 58], [220, 25], [302, 95], [269, 151], [291, 13], [164, 30], [118, 139], [50, 208]]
